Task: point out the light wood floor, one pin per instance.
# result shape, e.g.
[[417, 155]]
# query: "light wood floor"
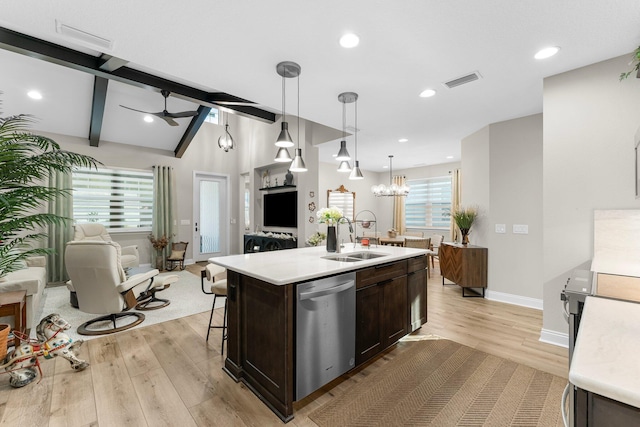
[[167, 375]]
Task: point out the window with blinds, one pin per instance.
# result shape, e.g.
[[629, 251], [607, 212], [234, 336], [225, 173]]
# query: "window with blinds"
[[428, 203], [121, 200]]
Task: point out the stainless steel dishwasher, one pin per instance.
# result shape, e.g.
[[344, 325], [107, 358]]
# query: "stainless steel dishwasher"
[[325, 331]]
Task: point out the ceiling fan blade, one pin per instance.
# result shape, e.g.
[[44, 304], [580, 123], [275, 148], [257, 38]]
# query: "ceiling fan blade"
[[169, 120], [139, 111], [181, 114]]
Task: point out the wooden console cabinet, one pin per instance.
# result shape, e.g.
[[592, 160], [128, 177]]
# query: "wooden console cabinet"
[[464, 265]]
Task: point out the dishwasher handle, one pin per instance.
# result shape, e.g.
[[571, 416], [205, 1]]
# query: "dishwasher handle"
[[334, 290]]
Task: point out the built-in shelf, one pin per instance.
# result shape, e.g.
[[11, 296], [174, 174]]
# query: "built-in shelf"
[[278, 187]]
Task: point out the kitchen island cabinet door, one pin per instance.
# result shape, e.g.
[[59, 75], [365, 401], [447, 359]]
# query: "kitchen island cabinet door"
[[368, 322], [394, 310], [381, 317]]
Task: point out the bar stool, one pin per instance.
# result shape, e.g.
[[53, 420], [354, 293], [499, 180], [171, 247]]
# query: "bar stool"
[[218, 289]]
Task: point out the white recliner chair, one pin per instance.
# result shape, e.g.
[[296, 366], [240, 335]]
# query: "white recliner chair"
[[102, 286], [97, 232]]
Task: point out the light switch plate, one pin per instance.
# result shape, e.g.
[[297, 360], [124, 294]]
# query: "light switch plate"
[[501, 228], [185, 222], [520, 229]]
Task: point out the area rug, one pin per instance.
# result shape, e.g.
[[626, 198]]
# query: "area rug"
[[185, 295], [443, 383]]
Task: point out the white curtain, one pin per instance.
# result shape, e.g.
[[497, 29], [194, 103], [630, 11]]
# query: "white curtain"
[[456, 190], [398, 207], [59, 235], [165, 204]]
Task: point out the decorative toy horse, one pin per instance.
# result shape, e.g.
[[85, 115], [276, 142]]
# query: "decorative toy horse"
[[51, 342]]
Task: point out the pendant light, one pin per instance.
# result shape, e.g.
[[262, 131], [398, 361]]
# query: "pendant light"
[[286, 70], [297, 165], [343, 155], [392, 189], [226, 140], [355, 172]]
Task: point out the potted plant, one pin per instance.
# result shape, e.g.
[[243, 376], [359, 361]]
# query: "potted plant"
[[635, 63], [464, 219], [26, 161]]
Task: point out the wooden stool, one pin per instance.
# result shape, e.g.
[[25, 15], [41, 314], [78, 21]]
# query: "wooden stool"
[[14, 304]]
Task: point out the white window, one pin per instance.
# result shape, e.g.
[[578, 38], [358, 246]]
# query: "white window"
[[213, 117], [428, 203], [120, 199]]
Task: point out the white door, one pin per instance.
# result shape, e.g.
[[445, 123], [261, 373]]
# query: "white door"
[[210, 216]]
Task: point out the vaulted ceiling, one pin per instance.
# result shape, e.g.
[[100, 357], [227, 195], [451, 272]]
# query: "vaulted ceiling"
[[212, 52]]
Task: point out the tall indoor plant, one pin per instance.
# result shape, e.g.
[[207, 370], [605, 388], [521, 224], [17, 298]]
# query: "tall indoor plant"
[[26, 160]]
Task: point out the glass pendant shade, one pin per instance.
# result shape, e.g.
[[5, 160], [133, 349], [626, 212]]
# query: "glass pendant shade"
[[344, 166], [297, 165], [343, 154], [356, 173], [284, 139], [282, 155], [226, 140]]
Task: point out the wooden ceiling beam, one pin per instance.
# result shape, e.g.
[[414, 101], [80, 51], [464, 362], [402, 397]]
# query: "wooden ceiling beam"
[[192, 130]]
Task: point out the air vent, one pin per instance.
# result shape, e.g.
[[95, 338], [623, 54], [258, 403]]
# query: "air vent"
[[83, 36], [463, 80]]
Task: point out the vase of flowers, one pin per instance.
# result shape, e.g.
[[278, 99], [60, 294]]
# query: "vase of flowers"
[[464, 219], [159, 245], [330, 216]]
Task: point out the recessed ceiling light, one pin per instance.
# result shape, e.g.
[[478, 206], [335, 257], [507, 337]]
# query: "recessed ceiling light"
[[427, 93], [385, 166], [334, 155], [403, 140], [148, 119], [449, 157], [349, 40], [547, 52], [34, 94]]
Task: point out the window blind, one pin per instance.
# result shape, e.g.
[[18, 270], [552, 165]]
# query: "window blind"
[[428, 203], [121, 200]]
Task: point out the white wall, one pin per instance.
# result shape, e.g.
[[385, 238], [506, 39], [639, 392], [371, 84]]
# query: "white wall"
[[502, 175], [590, 119]]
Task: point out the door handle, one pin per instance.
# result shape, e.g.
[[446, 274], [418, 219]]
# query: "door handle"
[[324, 292]]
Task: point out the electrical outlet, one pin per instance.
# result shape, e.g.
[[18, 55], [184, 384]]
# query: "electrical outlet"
[[520, 229], [501, 228]]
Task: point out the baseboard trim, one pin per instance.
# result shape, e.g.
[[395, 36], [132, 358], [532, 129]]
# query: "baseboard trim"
[[556, 338], [514, 299]]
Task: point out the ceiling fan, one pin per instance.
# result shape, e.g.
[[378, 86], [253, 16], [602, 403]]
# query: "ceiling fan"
[[165, 115]]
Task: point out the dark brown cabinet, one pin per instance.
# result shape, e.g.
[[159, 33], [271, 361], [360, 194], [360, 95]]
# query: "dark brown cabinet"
[[261, 325], [594, 410], [381, 308]]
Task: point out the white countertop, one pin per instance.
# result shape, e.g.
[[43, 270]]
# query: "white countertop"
[[303, 264], [605, 357]]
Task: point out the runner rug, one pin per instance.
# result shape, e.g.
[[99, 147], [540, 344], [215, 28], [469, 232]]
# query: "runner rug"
[[443, 383]]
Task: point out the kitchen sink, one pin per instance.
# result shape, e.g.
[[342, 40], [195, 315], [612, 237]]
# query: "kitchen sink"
[[365, 255], [354, 256]]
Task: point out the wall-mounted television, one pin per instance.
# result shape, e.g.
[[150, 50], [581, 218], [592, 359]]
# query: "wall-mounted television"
[[280, 209]]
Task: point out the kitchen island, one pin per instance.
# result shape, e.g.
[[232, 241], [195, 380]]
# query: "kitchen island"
[[391, 301]]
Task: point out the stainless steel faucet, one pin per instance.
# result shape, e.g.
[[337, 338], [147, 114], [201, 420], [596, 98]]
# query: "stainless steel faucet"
[[338, 242]]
